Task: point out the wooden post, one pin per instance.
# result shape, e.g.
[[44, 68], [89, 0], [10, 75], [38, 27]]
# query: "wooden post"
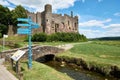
[[12, 65], [16, 67], [18, 70], [21, 76]]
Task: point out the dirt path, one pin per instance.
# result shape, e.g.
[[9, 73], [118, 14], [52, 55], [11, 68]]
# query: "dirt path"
[[70, 45]]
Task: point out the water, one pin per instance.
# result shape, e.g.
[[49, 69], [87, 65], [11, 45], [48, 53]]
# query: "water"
[[76, 72]]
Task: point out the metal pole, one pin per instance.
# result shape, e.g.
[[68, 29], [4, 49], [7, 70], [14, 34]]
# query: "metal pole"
[[30, 50], [3, 42]]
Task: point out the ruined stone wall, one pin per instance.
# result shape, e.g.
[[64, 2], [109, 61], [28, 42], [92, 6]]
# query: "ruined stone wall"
[[52, 23], [48, 18], [37, 19], [10, 30], [64, 23]]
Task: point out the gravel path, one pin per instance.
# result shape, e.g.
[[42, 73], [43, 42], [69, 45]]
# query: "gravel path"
[[69, 46], [4, 73]]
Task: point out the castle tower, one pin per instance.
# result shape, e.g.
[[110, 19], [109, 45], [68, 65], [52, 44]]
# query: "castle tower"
[[72, 14], [48, 8], [48, 17]]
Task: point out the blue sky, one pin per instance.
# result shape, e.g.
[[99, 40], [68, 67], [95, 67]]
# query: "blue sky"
[[97, 18]]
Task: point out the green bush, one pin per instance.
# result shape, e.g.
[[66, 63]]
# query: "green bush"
[[3, 29], [0, 35], [65, 37], [41, 37], [52, 37]]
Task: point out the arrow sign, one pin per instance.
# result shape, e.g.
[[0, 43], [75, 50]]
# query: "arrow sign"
[[23, 19], [27, 25], [34, 25], [23, 31]]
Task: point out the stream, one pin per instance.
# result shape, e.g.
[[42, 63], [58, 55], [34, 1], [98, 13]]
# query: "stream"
[[76, 72]]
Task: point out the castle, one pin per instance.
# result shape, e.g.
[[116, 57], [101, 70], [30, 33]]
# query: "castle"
[[50, 23]]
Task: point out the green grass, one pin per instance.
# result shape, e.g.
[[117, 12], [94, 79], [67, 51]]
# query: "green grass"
[[5, 48], [40, 71], [16, 38], [1, 48], [51, 43], [110, 43], [103, 54]]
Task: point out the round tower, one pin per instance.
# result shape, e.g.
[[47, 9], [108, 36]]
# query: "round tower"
[[48, 8], [48, 18]]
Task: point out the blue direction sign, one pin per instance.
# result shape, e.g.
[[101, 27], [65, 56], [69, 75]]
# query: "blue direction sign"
[[24, 19], [33, 25], [27, 25], [23, 31]]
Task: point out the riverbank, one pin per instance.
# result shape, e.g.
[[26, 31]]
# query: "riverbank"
[[101, 58]]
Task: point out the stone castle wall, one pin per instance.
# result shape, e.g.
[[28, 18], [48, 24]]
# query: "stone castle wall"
[[51, 23]]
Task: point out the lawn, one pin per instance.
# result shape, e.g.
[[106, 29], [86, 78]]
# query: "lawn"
[[96, 52], [40, 71], [110, 43]]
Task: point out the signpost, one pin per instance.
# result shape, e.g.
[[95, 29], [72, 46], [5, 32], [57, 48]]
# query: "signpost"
[[28, 30], [4, 36]]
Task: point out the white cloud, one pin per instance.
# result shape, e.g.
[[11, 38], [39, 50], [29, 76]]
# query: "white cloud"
[[105, 29], [3, 2], [89, 33], [117, 14], [93, 23], [112, 26], [39, 4], [11, 8]]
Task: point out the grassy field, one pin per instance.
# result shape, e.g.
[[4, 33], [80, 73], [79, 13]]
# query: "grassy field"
[[110, 43], [99, 53], [40, 71], [103, 53], [20, 41]]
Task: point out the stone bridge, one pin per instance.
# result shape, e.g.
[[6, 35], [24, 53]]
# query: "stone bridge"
[[38, 51]]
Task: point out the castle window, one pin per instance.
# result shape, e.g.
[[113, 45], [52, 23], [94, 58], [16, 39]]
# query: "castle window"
[[56, 27], [70, 28], [75, 26], [47, 20], [63, 24], [53, 25], [68, 23]]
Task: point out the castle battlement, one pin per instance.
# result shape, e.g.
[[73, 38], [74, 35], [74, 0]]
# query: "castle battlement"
[[51, 23]]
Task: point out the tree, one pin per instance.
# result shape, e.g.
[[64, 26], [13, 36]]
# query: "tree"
[[18, 12], [8, 17], [5, 19]]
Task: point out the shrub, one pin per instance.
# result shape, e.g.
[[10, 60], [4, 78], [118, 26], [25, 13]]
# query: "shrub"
[[0, 35], [52, 37], [41, 37], [65, 37]]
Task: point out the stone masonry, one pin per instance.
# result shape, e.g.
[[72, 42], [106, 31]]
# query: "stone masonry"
[[51, 23]]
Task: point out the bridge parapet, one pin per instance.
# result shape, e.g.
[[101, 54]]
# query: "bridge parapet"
[[38, 51]]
